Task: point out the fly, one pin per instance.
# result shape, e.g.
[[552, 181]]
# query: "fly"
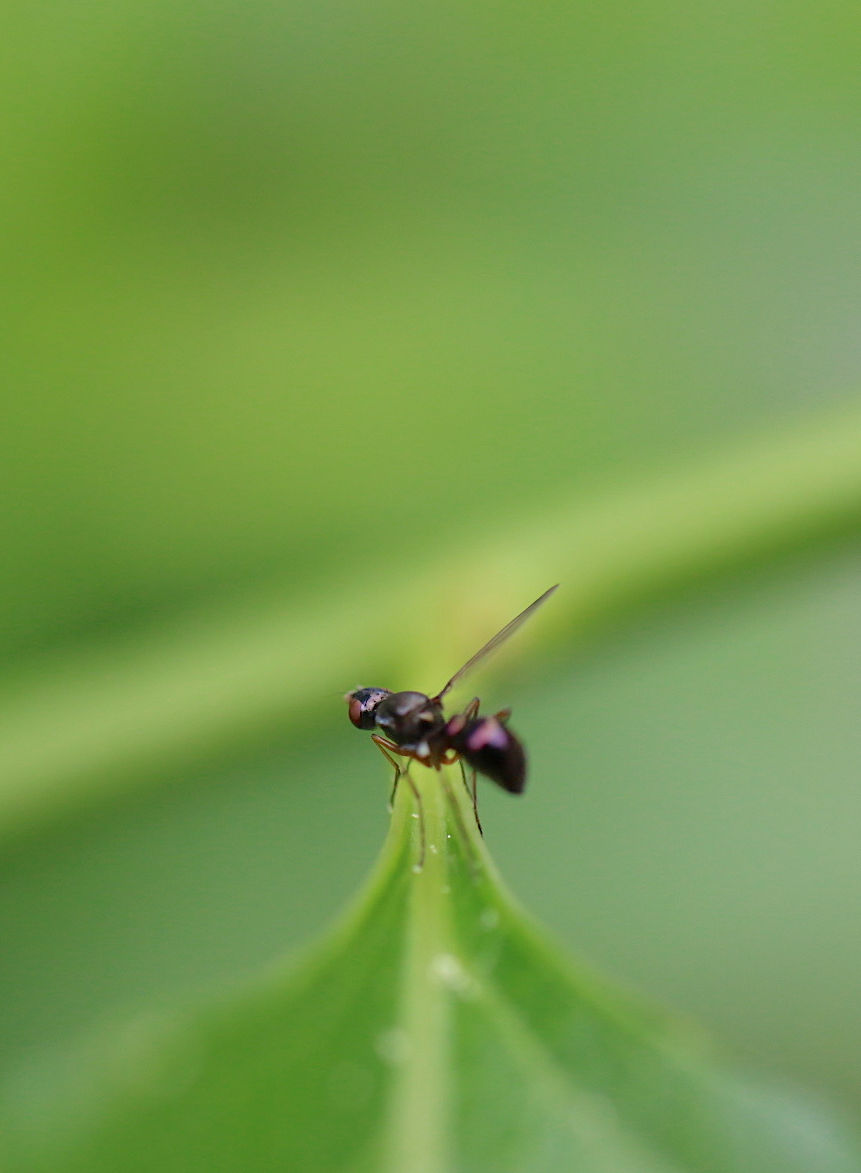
[[414, 727]]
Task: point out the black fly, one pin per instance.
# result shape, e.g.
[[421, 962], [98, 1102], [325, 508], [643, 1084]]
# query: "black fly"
[[413, 726]]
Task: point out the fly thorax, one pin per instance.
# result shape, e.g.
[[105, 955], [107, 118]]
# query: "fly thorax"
[[408, 718]]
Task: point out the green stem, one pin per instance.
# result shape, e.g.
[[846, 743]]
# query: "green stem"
[[110, 718]]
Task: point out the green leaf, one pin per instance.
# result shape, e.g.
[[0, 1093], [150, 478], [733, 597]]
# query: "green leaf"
[[434, 1030]]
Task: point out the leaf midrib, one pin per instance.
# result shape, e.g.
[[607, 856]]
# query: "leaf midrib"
[[417, 1128]]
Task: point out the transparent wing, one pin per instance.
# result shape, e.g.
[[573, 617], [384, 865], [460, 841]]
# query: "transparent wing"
[[498, 639]]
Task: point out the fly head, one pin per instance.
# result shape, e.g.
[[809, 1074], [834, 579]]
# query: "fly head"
[[363, 704]]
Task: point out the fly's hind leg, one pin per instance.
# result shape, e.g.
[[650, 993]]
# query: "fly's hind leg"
[[457, 815], [471, 709], [469, 714], [387, 749], [472, 791]]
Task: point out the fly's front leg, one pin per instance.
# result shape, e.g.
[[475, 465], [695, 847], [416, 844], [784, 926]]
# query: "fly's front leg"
[[418, 867], [387, 748]]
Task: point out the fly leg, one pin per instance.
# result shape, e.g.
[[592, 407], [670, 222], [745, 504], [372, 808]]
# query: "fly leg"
[[471, 709], [418, 799], [472, 791], [387, 748], [461, 827], [469, 714]]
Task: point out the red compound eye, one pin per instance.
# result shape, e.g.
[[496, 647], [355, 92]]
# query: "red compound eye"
[[363, 704]]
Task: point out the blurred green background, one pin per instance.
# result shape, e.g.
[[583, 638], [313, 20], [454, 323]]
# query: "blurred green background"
[[300, 294]]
